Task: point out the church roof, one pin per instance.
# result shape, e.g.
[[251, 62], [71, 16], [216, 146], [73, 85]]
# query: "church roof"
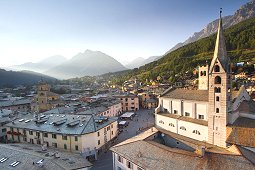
[[198, 95], [220, 52]]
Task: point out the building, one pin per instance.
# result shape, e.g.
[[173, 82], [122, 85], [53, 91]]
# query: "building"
[[75, 133], [45, 99], [21, 105], [205, 114], [159, 150], [129, 102], [28, 156], [4, 119], [147, 100], [209, 128]]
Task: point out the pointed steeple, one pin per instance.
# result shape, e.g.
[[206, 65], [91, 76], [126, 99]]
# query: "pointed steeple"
[[220, 52]]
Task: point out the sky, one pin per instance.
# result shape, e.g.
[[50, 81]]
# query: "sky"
[[31, 30]]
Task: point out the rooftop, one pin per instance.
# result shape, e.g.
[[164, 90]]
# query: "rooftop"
[[26, 154], [144, 151], [15, 102], [62, 124]]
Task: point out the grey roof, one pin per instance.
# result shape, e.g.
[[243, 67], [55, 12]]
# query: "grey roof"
[[178, 93], [94, 111], [149, 154], [26, 154], [60, 123], [15, 102], [243, 122]]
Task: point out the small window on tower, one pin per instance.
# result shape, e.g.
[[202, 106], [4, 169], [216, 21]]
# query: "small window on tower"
[[201, 73], [217, 98], [217, 110], [217, 80], [204, 73], [217, 89], [216, 68]]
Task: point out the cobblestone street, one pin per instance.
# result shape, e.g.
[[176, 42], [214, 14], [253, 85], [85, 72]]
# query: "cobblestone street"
[[143, 119]]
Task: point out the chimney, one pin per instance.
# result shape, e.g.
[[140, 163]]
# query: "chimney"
[[201, 151]]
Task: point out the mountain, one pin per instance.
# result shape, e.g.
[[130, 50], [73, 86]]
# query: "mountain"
[[245, 12], [89, 63], [41, 66], [22, 78], [240, 45], [136, 63]]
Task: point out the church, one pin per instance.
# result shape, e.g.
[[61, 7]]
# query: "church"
[[212, 127], [208, 113]]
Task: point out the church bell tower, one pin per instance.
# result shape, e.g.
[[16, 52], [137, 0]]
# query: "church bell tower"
[[220, 85]]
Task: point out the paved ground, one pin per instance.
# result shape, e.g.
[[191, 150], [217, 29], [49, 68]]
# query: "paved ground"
[[143, 120]]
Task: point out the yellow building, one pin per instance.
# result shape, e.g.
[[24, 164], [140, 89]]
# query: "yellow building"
[[75, 133]]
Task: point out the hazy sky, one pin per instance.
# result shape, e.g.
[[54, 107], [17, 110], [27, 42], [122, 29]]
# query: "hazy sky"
[[31, 30]]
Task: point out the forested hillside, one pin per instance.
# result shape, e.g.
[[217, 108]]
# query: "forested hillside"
[[240, 44]]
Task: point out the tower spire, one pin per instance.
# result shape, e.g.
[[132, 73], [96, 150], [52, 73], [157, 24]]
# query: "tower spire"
[[220, 52]]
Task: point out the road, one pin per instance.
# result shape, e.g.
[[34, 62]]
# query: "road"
[[143, 120]]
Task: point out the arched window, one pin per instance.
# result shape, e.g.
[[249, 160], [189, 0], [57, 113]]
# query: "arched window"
[[217, 110], [182, 128], [217, 89], [217, 98], [201, 73], [217, 80], [204, 73], [216, 68], [196, 132], [171, 124]]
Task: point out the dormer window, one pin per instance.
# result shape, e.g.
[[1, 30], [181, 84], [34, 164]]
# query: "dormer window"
[[217, 80], [216, 68]]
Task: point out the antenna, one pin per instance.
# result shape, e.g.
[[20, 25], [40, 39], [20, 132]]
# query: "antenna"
[[220, 12]]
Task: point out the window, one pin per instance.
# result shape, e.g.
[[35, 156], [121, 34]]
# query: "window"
[[76, 138], [217, 98], [112, 132], [3, 130], [217, 110], [65, 147], [217, 89], [54, 145], [171, 124], [54, 136], [98, 142], [161, 121], [45, 135], [182, 128], [204, 73], [25, 139], [32, 141], [217, 80], [196, 132], [38, 142], [38, 134], [175, 111], [216, 68], [64, 137], [201, 117], [187, 114], [24, 132], [30, 132], [76, 147], [129, 165], [112, 125], [120, 159], [11, 129], [201, 73], [98, 133], [108, 128]]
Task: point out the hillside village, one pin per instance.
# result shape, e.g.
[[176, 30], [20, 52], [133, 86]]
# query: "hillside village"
[[198, 118]]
